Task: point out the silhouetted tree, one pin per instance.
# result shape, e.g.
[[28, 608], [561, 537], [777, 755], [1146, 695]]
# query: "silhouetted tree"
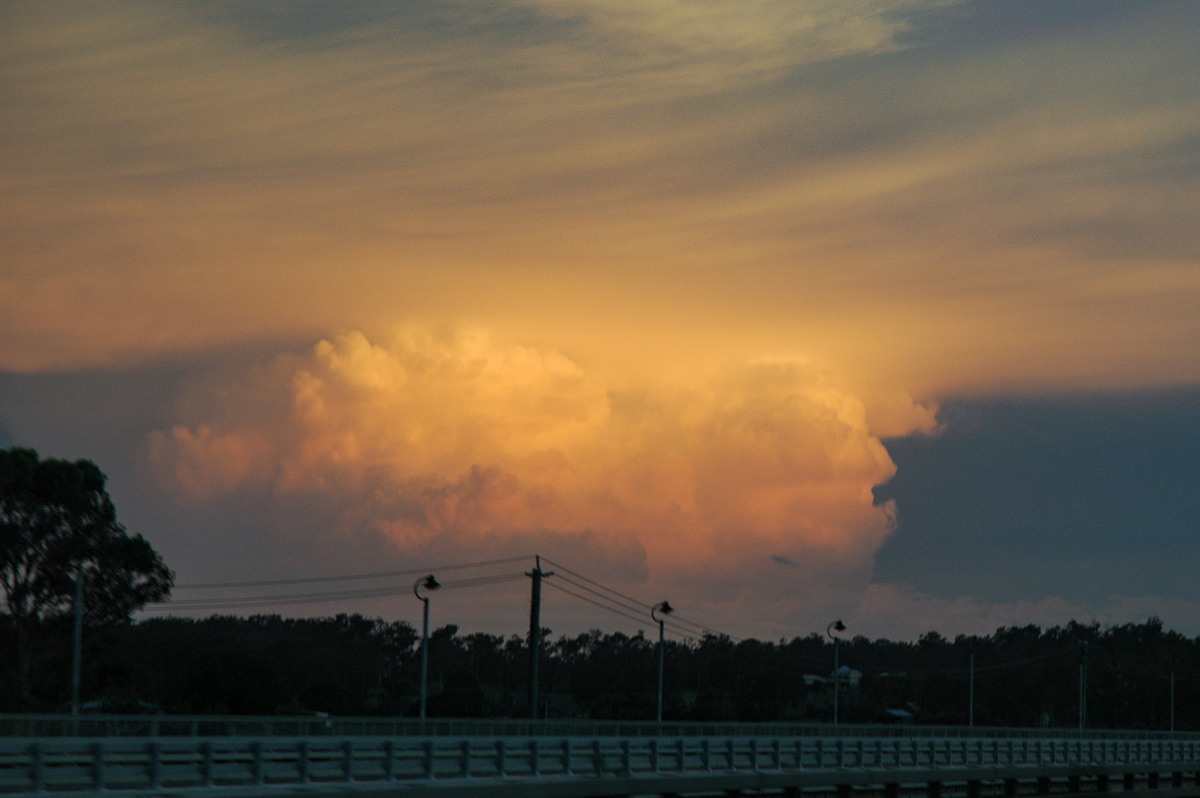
[[58, 525]]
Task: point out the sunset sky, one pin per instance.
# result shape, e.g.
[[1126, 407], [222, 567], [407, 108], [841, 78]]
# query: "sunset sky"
[[782, 310]]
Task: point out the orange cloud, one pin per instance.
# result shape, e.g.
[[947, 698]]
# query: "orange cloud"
[[205, 464], [461, 439]]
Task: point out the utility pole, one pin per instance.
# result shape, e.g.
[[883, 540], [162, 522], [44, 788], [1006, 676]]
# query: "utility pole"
[[535, 633]]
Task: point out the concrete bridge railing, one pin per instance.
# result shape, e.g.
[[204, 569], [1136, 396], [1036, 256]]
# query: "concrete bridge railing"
[[595, 766], [320, 725]]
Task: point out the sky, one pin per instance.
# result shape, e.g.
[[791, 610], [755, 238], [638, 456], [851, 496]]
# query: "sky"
[[784, 311]]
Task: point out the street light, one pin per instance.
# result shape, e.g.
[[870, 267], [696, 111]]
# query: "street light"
[[429, 583], [836, 626], [666, 609]]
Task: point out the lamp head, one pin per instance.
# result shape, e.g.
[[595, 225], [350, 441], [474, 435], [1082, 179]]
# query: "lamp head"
[[427, 583], [836, 626], [664, 607]]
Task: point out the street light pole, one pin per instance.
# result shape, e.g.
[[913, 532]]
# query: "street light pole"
[[77, 642], [429, 583], [666, 609], [1172, 700], [971, 694], [836, 626], [1083, 648]]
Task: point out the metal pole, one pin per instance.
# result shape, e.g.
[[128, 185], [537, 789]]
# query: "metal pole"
[[662, 644], [971, 699], [1083, 686], [1172, 700], [77, 643], [429, 583], [424, 655], [665, 608], [837, 677], [1081, 695]]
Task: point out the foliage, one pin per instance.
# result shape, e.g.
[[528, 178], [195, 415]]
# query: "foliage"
[[58, 525], [349, 665], [264, 664]]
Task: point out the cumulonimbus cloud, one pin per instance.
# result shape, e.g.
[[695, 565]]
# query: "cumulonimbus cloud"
[[458, 438]]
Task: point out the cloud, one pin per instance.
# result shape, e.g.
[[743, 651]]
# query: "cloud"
[[172, 169], [840, 181], [458, 442], [709, 43]]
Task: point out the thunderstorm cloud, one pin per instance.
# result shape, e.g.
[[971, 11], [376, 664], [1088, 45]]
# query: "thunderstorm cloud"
[[457, 440]]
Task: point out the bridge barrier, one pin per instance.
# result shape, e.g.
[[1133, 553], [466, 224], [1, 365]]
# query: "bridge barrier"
[[96, 725], [160, 763]]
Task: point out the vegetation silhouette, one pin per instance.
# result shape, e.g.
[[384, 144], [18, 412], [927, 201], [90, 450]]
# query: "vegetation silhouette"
[[351, 665], [59, 540]]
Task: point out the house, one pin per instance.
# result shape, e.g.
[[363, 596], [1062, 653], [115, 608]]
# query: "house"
[[849, 677]]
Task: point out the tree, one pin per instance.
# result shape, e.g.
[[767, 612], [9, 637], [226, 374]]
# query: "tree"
[[57, 525]]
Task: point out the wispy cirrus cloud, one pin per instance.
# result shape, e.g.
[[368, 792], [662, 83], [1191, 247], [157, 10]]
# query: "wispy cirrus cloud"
[[882, 202], [690, 214]]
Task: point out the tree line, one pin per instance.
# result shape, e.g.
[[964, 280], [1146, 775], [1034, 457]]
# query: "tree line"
[[58, 530], [1135, 676]]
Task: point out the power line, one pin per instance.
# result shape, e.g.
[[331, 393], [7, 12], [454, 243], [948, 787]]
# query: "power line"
[[483, 580], [679, 625], [293, 598], [682, 625], [668, 625], [633, 607], [633, 613], [581, 597], [678, 620], [348, 577], [561, 567], [602, 596], [310, 598]]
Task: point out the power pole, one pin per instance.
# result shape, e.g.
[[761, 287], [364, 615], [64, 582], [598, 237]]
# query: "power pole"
[[535, 633]]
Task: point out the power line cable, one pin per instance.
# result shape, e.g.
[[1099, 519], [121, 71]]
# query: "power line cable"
[[674, 619], [347, 577], [594, 602], [699, 628], [632, 607], [309, 598], [642, 609], [605, 596], [255, 601], [483, 580], [606, 588]]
